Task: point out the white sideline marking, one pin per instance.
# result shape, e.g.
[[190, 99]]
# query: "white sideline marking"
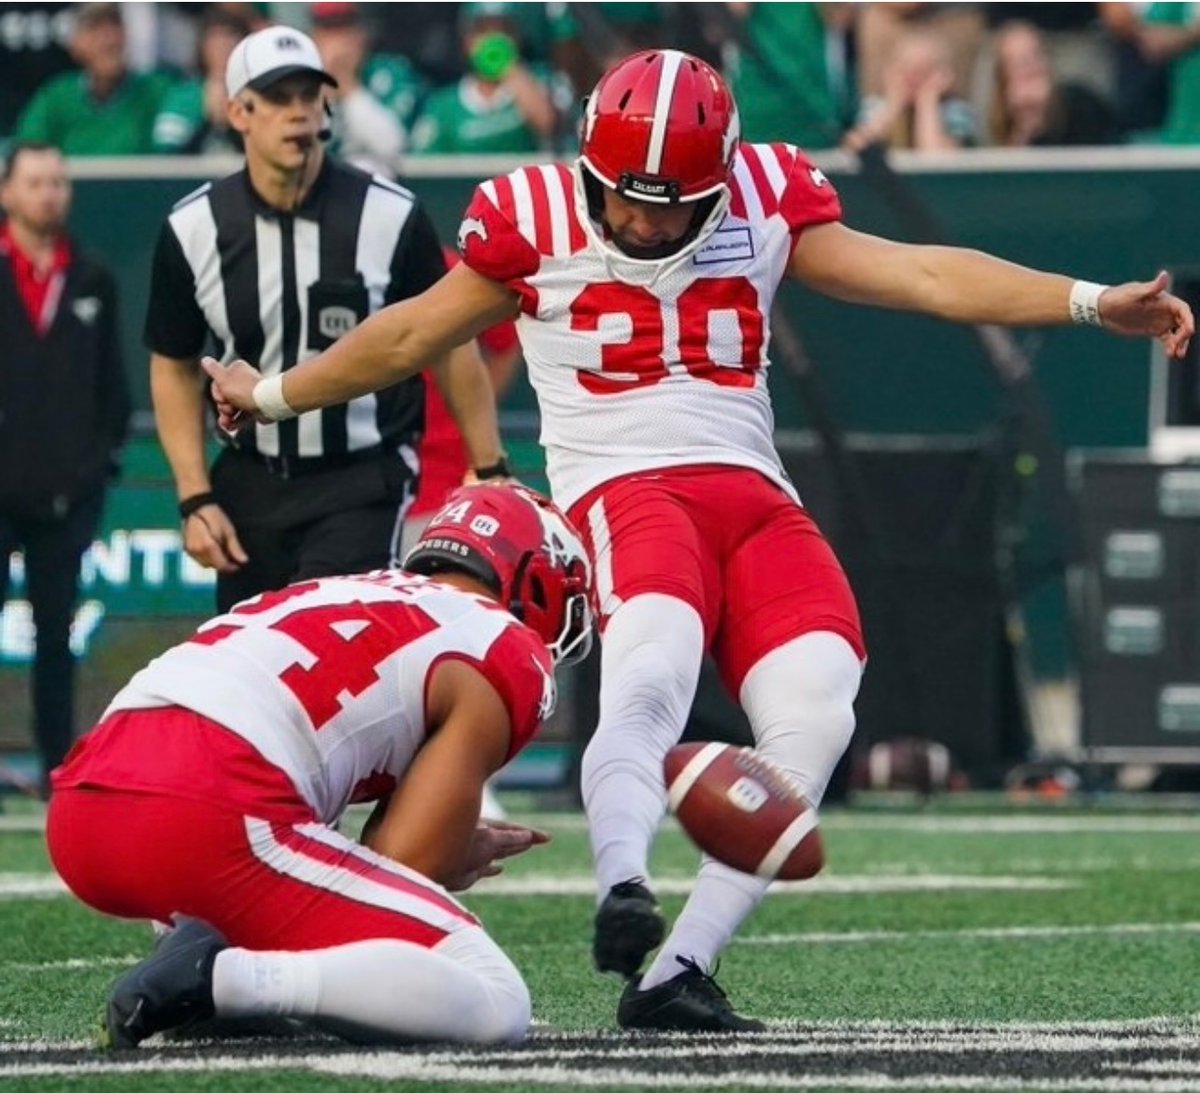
[[857, 821], [1022, 824], [35, 821], [537, 884], [48, 886], [31, 886], [384, 1067], [74, 964], [851, 937], [152, 1065], [1004, 933], [1012, 825]]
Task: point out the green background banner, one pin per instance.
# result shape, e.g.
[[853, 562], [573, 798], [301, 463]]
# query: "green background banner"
[[1102, 216]]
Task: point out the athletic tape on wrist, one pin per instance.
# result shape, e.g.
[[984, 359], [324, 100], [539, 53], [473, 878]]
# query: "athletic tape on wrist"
[[268, 397], [1085, 302]]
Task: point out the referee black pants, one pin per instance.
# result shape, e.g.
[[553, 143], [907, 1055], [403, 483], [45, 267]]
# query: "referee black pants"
[[319, 524]]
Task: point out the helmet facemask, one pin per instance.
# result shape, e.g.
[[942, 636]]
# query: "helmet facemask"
[[517, 544]]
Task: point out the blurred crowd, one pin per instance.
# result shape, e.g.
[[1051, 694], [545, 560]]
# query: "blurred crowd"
[[429, 78]]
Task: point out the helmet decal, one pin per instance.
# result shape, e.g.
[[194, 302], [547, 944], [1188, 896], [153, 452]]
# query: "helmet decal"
[[672, 59]]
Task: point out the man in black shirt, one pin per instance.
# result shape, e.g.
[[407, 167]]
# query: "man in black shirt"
[[64, 408], [275, 263]]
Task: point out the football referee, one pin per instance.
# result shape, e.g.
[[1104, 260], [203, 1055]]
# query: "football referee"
[[273, 264]]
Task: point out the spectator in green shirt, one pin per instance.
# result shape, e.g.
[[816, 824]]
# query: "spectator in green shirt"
[[1170, 34], [500, 105], [787, 68], [104, 109], [194, 114]]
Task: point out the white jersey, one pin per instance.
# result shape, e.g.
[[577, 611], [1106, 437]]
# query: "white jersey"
[[327, 678], [641, 365]]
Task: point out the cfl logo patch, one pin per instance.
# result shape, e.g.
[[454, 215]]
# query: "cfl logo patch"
[[747, 795], [333, 322]]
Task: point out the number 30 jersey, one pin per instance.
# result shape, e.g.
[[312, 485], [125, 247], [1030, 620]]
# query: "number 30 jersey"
[[327, 678], [641, 364]]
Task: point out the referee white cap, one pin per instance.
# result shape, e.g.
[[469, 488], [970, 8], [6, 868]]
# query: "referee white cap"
[[262, 58]]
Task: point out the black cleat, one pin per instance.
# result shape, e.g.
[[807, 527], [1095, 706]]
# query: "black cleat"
[[628, 925], [691, 1002], [170, 988]]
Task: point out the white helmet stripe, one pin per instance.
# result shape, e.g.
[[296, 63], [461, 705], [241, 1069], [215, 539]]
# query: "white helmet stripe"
[[672, 60]]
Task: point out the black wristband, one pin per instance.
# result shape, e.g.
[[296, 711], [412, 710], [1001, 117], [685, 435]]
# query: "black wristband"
[[197, 501], [499, 469]]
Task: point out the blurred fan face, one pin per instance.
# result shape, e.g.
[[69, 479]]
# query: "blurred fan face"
[[37, 194], [99, 47]]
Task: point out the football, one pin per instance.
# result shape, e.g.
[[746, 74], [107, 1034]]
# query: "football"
[[906, 763], [743, 810]]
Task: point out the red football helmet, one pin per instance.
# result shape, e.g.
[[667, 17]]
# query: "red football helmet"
[[525, 550], [661, 126]]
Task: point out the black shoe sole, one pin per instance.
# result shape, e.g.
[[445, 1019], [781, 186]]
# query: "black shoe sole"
[[633, 933]]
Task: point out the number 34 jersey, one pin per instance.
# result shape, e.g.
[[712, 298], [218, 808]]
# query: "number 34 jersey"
[[327, 678], [642, 364]]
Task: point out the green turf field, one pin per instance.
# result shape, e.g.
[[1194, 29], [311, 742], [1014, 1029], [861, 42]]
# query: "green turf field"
[[941, 949]]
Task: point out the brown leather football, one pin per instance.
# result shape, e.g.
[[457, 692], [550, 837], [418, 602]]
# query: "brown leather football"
[[743, 810]]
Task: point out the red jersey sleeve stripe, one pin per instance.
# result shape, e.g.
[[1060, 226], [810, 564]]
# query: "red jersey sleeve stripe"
[[576, 239], [543, 226], [506, 202], [737, 201], [766, 193], [785, 155]]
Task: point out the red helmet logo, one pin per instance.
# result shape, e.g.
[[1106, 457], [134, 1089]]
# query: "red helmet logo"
[[661, 126], [525, 550]]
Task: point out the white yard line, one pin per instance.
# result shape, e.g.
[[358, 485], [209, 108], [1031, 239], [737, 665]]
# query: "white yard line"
[[74, 964], [31, 886], [399, 1068], [33, 822], [852, 937], [1005, 933], [537, 884], [1000, 824], [862, 821], [1013, 825], [48, 886]]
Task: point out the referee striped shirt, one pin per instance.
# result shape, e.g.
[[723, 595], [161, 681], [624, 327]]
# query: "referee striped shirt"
[[275, 288]]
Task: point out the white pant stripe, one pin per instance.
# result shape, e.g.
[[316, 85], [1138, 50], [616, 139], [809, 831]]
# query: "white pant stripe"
[[292, 862]]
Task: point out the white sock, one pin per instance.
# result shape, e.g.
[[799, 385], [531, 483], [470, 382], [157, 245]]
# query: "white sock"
[[649, 665], [800, 701], [721, 899], [465, 990]]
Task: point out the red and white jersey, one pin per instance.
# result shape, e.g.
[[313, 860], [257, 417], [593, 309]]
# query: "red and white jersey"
[[327, 678], [642, 364]]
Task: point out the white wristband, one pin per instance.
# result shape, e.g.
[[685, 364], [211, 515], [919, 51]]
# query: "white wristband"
[[268, 397], [1085, 302]]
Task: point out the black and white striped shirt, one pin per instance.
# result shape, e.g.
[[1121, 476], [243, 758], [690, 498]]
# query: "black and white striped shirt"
[[276, 288]]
